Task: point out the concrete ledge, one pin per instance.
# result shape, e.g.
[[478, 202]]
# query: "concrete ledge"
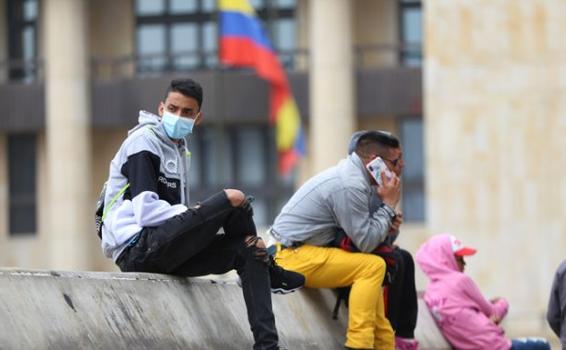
[[427, 333], [96, 310]]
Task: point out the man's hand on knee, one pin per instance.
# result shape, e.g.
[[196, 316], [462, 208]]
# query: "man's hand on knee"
[[236, 197]]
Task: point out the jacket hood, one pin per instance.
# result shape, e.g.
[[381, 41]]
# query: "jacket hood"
[[146, 118], [384, 136], [435, 257], [359, 163]]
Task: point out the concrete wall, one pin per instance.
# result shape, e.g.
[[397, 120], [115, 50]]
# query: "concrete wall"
[[71, 310], [148, 311], [495, 95]]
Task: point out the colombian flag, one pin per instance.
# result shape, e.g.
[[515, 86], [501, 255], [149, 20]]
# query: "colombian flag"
[[243, 43]]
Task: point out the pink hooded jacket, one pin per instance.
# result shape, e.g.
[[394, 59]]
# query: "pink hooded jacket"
[[459, 308]]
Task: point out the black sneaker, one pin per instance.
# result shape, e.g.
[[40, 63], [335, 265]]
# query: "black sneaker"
[[284, 281]]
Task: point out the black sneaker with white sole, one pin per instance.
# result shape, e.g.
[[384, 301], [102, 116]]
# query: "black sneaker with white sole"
[[284, 281]]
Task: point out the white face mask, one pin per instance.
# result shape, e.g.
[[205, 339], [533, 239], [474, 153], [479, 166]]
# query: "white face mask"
[[177, 127]]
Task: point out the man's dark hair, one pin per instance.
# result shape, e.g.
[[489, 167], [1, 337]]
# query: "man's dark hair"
[[376, 143], [187, 87]]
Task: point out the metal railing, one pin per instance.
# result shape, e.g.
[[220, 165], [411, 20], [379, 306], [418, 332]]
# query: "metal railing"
[[22, 70], [364, 56], [383, 55], [155, 64]]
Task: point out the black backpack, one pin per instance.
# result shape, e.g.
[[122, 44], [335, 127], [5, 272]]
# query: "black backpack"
[[99, 211]]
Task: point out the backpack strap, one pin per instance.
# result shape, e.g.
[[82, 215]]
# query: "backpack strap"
[[114, 199]]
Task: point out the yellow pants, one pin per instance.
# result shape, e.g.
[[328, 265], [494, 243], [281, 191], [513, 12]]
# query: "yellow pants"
[[324, 267]]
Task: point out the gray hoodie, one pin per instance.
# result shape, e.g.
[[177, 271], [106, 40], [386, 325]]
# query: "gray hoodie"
[[147, 184], [376, 201], [339, 197]]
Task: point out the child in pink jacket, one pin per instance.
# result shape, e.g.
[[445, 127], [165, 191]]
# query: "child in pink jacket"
[[465, 317]]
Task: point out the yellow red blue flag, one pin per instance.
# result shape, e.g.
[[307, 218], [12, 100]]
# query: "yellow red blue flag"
[[243, 43]]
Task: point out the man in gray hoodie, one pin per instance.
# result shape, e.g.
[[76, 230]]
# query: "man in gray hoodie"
[[339, 198], [402, 305], [148, 224]]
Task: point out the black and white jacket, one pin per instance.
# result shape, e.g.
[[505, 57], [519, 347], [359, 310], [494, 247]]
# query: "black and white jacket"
[[155, 170]]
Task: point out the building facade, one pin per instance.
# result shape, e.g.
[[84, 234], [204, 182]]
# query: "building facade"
[[484, 162], [76, 73]]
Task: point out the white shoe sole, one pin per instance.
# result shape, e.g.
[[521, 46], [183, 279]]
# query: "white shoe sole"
[[284, 291]]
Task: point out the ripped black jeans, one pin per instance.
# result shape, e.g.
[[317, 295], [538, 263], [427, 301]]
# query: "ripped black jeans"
[[188, 245]]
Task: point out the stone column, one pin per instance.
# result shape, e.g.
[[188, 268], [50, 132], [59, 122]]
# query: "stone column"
[[331, 74], [112, 29], [376, 24], [3, 41], [68, 136], [495, 97], [4, 194]]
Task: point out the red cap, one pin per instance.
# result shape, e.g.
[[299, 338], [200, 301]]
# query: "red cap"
[[459, 249]]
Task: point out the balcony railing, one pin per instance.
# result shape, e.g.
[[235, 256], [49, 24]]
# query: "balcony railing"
[[25, 71], [364, 56]]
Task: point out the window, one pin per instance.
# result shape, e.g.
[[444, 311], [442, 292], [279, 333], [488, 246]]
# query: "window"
[[180, 35], [413, 173], [22, 43], [411, 32], [250, 156], [278, 17], [176, 34], [22, 184], [242, 157], [217, 155]]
